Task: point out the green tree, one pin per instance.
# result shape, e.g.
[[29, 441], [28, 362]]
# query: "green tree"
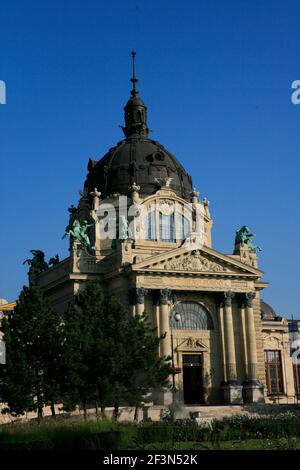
[[83, 335], [132, 364], [33, 340], [111, 357]]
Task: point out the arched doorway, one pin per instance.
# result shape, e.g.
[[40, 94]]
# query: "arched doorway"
[[191, 316]]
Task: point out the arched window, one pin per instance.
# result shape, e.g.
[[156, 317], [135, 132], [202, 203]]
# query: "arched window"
[[165, 221], [190, 316], [150, 229]]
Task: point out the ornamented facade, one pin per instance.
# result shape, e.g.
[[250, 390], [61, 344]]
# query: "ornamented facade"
[[161, 260]]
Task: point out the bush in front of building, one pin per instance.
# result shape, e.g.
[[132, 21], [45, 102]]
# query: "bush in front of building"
[[247, 427]]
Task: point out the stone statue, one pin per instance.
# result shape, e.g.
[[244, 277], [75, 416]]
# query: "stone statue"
[[163, 182], [244, 237], [37, 263], [124, 230], [78, 232], [54, 261], [96, 198]]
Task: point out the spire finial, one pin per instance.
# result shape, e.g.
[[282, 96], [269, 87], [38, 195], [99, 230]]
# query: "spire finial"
[[133, 80], [135, 110]]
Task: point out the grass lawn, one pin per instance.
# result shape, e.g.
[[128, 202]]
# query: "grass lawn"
[[71, 434]]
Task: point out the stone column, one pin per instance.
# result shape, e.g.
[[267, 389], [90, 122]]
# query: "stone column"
[[140, 293], [165, 345], [244, 336], [251, 337], [232, 391], [222, 338], [253, 389], [164, 397], [229, 339]]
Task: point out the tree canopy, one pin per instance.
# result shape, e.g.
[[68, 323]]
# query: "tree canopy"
[[95, 354]]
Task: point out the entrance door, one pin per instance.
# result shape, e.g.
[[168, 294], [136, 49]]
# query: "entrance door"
[[192, 379]]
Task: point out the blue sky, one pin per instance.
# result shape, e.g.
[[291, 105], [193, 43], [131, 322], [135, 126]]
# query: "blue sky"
[[216, 77]]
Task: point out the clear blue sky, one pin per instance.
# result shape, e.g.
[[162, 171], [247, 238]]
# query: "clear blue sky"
[[216, 76]]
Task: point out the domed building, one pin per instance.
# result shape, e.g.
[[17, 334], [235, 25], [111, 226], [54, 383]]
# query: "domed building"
[[147, 236]]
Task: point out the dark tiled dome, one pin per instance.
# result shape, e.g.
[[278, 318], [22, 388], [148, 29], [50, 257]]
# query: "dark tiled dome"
[[136, 159], [140, 160]]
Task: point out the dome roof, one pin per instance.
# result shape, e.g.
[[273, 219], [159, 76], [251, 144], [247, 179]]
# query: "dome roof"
[[3, 302], [140, 160], [136, 159], [267, 312]]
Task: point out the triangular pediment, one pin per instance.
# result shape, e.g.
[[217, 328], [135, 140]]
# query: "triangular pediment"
[[200, 260]]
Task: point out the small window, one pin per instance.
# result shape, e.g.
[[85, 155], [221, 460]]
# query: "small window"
[[192, 360], [273, 368], [159, 156]]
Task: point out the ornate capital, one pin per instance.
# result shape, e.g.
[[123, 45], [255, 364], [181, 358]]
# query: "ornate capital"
[[228, 296], [164, 296], [249, 296], [140, 293]]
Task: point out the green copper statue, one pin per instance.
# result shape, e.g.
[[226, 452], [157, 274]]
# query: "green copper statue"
[[244, 237], [78, 232], [124, 231]]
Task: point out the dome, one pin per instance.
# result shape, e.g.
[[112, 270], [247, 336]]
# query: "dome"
[[140, 160], [3, 302], [137, 159], [267, 312]]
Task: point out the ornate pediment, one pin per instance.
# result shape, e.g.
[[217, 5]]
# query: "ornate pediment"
[[196, 261], [191, 344], [193, 261], [272, 342]]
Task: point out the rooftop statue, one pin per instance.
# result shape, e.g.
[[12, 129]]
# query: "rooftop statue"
[[78, 232], [37, 263], [244, 237], [54, 261]]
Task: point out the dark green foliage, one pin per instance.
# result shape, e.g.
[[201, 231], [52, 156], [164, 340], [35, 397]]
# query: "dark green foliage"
[[175, 432], [246, 427], [92, 435], [83, 335], [110, 357], [109, 435], [32, 335]]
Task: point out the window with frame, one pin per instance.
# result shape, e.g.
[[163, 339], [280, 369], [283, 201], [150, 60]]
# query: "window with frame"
[[150, 226], [182, 226], [166, 227], [296, 370], [166, 224], [274, 378]]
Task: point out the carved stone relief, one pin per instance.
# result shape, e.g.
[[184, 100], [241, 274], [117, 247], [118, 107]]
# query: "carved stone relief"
[[191, 344]]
